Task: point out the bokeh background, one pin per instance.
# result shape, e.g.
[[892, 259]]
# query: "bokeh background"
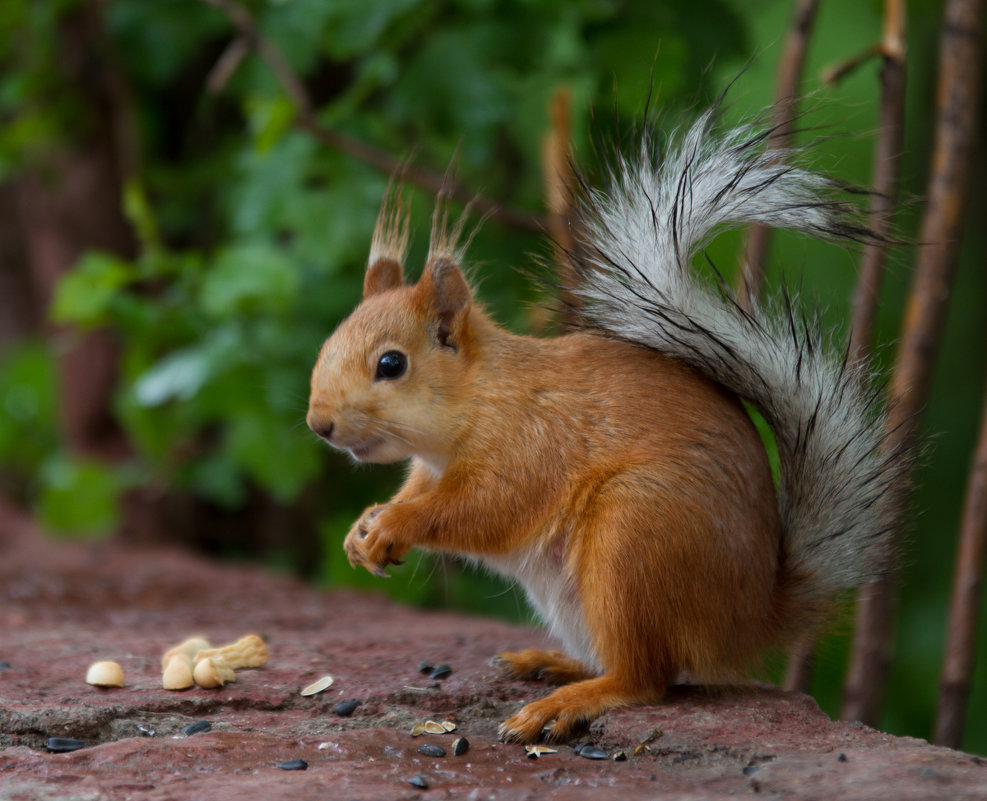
[[174, 247]]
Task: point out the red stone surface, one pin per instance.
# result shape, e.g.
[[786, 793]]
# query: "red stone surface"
[[63, 607]]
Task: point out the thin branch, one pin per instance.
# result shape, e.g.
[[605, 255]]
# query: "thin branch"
[[956, 130], [374, 156], [887, 172], [833, 75], [789, 78], [559, 180], [954, 685]]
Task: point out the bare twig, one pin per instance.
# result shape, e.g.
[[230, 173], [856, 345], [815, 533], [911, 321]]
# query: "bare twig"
[[374, 156], [887, 171], [789, 78], [836, 73], [559, 180], [957, 117], [954, 685]]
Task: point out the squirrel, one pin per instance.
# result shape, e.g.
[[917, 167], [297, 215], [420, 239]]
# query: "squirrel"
[[614, 471]]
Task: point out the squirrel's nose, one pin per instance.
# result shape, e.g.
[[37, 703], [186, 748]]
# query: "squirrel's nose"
[[321, 427]]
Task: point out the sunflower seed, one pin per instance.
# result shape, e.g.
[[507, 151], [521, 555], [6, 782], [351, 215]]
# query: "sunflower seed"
[[592, 752], [197, 727], [62, 745], [294, 764], [346, 708], [432, 750], [418, 781], [460, 746], [318, 686], [440, 672]]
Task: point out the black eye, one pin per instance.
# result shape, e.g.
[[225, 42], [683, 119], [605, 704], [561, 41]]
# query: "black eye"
[[391, 365]]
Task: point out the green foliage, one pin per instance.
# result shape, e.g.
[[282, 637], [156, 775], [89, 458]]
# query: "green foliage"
[[79, 497], [27, 417]]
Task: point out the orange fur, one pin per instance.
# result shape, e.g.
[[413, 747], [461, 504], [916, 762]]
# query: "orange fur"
[[628, 493]]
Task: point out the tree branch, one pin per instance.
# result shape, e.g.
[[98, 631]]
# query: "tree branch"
[[375, 157], [956, 128], [789, 78], [954, 685]]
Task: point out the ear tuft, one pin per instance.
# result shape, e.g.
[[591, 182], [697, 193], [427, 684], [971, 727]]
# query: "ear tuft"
[[389, 245]]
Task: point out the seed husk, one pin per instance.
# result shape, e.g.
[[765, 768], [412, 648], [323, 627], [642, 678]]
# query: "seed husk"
[[440, 672], [418, 729], [347, 708], [62, 745], [318, 686], [294, 764], [592, 752], [620, 756], [431, 750], [448, 725], [197, 728], [460, 746], [536, 751]]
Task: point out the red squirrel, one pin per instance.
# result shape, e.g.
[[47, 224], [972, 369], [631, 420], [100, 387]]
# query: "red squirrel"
[[614, 472]]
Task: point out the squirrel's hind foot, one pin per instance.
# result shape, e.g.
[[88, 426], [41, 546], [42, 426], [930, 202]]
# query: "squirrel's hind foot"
[[569, 709], [552, 667]]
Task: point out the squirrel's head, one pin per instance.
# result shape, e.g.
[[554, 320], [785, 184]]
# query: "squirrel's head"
[[385, 384]]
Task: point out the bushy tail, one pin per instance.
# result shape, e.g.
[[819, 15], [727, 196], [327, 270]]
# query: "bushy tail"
[[841, 493]]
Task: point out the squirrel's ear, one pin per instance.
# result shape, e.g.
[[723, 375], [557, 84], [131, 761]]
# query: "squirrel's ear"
[[381, 275], [389, 245], [447, 296]]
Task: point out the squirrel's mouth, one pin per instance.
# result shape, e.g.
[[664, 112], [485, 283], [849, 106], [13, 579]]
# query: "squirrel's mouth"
[[363, 451]]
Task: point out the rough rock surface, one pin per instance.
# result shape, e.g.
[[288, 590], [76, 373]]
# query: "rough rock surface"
[[63, 607]]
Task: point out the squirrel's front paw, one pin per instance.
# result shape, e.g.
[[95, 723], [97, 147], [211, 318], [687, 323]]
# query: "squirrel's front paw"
[[370, 544]]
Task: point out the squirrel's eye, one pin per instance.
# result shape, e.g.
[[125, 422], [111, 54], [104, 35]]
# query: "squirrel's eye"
[[391, 365]]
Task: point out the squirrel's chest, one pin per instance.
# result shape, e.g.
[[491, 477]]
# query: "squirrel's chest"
[[553, 592]]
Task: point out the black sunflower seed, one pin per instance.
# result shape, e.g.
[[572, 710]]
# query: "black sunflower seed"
[[62, 745], [440, 672], [294, 764], [460, 746], [592, 752], [197, 728], [346, 708], [432, 750], [418, 781]]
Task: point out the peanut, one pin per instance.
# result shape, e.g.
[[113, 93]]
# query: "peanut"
[[247, 652], [190, 646], [105, 674], [212, 671], [177, 663]]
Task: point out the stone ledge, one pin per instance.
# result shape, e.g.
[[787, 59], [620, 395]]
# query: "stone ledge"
[[62, 607]]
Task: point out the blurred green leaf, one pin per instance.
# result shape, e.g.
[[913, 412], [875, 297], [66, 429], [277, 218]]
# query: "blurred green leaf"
[[248, 279], [86, 295], [182, 373], [79, 497]]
